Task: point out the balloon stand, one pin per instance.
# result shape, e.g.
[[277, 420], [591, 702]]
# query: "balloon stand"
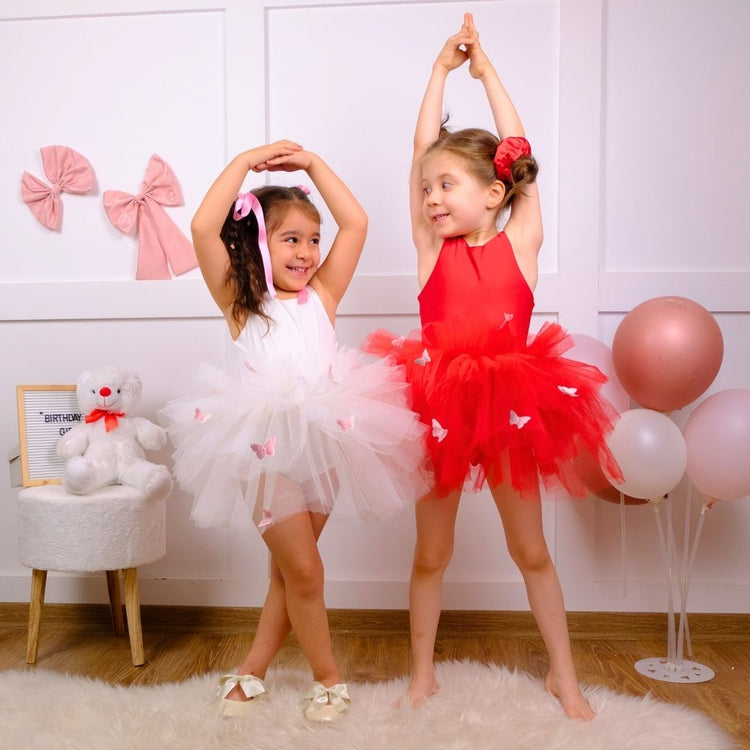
[[667, 671], [674, 668]]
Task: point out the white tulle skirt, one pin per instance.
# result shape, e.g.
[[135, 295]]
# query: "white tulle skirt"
[[278, 441]]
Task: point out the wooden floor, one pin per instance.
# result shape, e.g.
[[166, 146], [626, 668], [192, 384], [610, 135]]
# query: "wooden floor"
[[373, 645]]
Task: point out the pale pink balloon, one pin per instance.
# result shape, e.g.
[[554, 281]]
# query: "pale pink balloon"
[[594, 352], [717, 435], [651, 453], [667, 352]]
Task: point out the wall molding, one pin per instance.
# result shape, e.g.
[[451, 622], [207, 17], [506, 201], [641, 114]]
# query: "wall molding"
[[619, 292], [643, 596]]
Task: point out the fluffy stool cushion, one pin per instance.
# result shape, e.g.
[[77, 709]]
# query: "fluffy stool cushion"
[[112, 528]]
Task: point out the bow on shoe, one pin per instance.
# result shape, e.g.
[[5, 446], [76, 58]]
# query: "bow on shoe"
[[336, 695], [68, 171], [159, 238], [250, 685]]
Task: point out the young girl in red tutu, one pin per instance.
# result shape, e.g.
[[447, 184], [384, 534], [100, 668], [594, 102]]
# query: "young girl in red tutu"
[[501, 407]]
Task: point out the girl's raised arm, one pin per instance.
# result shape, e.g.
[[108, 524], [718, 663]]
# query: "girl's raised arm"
[[336, 271], [209, 218], [427, 130], [334, 274], [524, 226]]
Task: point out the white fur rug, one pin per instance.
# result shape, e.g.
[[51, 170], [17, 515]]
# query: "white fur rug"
[[479, 708]]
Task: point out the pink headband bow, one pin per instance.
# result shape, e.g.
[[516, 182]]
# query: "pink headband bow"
[[245, 203], [68, 171], [159, 238], [509, 149]]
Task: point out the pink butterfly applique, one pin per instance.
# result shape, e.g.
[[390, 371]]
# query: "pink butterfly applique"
[[438, 431], [516, 421], [267, 519], [346, 424], [568, 390], [202, 416], [424, 359], [261, 450]]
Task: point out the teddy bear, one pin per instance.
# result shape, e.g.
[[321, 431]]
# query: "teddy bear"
[[107, 446]]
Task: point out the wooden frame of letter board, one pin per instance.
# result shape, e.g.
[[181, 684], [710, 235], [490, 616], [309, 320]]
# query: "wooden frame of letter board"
[[37, 439]]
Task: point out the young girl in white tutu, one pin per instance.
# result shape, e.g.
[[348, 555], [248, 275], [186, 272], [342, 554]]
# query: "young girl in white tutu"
[[297, 426]]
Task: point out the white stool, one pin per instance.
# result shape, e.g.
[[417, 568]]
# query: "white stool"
[[112, 529]]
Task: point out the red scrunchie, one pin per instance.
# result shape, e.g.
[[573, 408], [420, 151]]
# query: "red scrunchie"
[[509, 149]]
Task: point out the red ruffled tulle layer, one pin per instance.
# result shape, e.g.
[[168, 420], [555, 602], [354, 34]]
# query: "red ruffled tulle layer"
[[518, 412]]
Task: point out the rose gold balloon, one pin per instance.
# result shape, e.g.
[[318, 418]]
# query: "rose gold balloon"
[[612, 495], [666, 352], [597, 484]]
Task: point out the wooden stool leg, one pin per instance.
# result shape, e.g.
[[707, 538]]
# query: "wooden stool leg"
[[133, 609], [115, 601], [38, 584]]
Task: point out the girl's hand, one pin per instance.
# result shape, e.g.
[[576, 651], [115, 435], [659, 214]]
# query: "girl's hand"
[[452, 56], [479, 63], [271, 151], [292, 161]]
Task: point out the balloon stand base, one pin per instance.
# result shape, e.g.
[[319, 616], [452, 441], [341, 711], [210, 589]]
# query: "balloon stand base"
[[666, 671]]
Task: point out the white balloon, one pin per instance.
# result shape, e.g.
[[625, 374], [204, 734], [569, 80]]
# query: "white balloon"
[[651, 453]]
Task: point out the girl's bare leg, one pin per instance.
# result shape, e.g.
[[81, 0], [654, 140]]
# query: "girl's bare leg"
[[436, 519], [274, 624], [293, 545], [522, 521]]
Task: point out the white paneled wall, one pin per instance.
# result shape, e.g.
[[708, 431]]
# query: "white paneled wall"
[[637, 113]]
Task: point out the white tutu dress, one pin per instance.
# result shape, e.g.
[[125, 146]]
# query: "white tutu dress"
[[297, 423]]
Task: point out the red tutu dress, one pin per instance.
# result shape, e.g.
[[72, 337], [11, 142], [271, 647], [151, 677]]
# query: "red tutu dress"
[[499, 405]]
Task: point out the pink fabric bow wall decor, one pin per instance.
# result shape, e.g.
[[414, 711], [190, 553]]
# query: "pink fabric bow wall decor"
[[160, 242], [68, 171]]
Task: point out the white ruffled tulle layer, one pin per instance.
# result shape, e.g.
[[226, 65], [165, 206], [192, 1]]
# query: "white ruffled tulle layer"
[[278, 441]]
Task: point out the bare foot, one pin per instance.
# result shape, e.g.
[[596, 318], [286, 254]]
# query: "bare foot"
[[417, 692], [571, 697], [237, 694]]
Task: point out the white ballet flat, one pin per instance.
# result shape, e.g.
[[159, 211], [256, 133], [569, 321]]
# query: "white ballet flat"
[[326, 704], [251, 686]]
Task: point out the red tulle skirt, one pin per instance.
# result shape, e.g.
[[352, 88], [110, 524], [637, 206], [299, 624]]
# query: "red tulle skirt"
[[503, 411]]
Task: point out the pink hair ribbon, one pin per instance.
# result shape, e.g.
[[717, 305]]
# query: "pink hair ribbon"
[[509, 149], [68, 171], [160, 242], [245, 203]]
